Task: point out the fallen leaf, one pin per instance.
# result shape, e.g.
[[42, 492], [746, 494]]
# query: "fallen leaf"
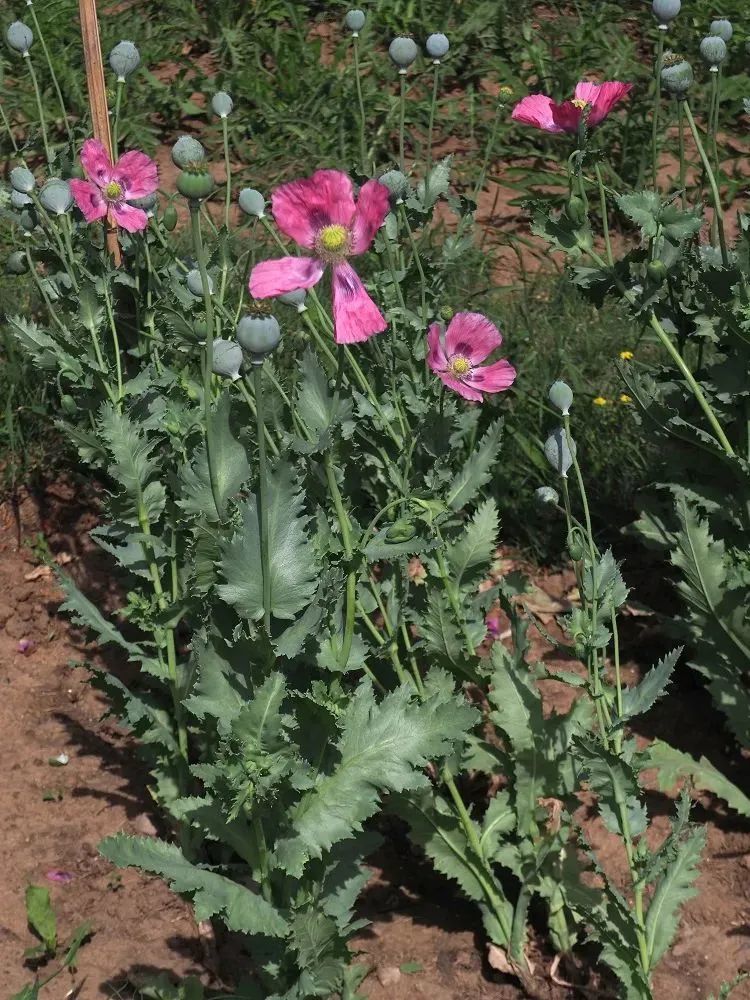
[[499, 960], [38, 573]]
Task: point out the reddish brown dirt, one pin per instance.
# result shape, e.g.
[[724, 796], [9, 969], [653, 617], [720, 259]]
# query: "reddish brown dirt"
[[418, 921]]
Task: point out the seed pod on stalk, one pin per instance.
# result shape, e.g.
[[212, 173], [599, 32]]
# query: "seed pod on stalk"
[[258, 336], [227, 359], [16, 263], [222, 104], [20, 37], [561, 396], [355, 21], [723, 28], [22, 180], [252, 202], [437, 46], [676, 75], [403, 51], [558, 452], [56, 196], [124, 60], [713, 51]]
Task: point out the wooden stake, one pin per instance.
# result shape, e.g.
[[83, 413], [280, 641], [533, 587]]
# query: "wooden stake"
[[92, 54]]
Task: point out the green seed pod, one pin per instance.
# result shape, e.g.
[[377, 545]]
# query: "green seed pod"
[[222, 104], [16, 263], [676, 76], [576, 210], [666, 10], [561, 395], [228, 359], [188, 153], [295, 298], [437, 46], [657, 272], [401, 531], [19, 200], [252, 202], [195, 186], [722, 28], [68, 405], [258, 336], [403, 52], [195, 283], [20, 36], [56, 196], [22, 180], [146, 204], [574, 545], [558, 453], [713, 50], [546, 496], [355, 21], [28, 220], [169, 219], [124, 60], [397, 184], [200, 329]]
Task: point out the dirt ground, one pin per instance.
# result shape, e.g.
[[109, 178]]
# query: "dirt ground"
[[423, 940]]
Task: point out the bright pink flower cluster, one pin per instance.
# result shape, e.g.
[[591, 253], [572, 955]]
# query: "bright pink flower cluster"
[[110, 186], [455, 355], [592, 99]]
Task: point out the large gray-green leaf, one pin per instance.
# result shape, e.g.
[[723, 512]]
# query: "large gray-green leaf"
[[229, 462], [640, 697], [477, 469], [674, 888], [673, 765], [474, 548], [84, 612]]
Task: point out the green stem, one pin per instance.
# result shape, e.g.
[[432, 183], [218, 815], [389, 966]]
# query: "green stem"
[[401, 120], [115, 344], [40, 107], [51, 67], [116, 119], [433, 105], [681, 141], [263, 496], [657, 106], [362, 145], [489, 149], [351, 580], [718, 211], [605, 220], [254, 410], [8, 129], [418, 262], [640, 929]]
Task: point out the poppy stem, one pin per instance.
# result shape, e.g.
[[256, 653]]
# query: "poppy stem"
[[402, 120], [433, 105], [263, 495], [718, 211], [657, 105], [358, 81], [116, 119], [40, 108], [51, 67]]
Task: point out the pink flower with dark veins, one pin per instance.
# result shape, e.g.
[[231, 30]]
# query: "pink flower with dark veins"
[[455, 355], [320, 214], [110, 186], [594, 100]]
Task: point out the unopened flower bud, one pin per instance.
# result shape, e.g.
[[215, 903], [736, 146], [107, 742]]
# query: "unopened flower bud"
[[124, 60], [666, 10], [676, 76], [222, 104], [68, 405], [722, 28], [403, 51], [252, 202], [16, 263], [558, 452], [397, 184], [22, 180], [446, 314], [56, 196], [227, 359], [355, 21], [561, 395], [19, 200], [295, 298], [713, 50], [169, 219], [657, 272], [402, 530], [437, 46], [187, 152], [546, 496], [258, 335], [575, 209], [20, 36], [194, 281], [574, 544]]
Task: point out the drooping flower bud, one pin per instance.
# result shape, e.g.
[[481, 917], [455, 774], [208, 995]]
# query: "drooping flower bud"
[[222, 104], [187, 152], [561, 395], [19, 200], [397, 183], [20, 36], [676, 76], [546, 496], [169, 219], [295, 298], [656, 272], [16, 263], [558, 452], [56, 196], [666, 10], [722, 28], [124, 60], [258, 335], [252, 202], [437, 46], [403, 51], [227, 359], [194, 281], [355, 21], [22, 179], [575, 209], [713, 51]]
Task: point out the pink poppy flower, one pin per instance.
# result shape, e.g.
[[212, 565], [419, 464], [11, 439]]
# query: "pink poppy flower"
[[109, 187], [594, 99], [319, 213], [456, 356]]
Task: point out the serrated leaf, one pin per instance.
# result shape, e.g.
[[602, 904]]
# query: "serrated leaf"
[[230, 466], [643, 209], [439, 630], [674, 888], [212, 894], [673, 765], [475, 547], [477, 470], [83, 612], [436, 184], [638, 699], [41, 916]]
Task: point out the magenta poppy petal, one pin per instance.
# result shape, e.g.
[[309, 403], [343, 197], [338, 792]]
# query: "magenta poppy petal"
[[128, 217], [492, 378], [355, 315], [602, 97], [436, 358], [302, 208], [567, 116], [136, 173], [372, 208], [95, 162], [472, 336], [284, 274], [460, 387], [536, 110], [89, 199]]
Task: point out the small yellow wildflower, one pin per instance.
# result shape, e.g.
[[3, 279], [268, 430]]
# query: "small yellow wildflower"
[[626, 355], [599, 401], [624, 398]]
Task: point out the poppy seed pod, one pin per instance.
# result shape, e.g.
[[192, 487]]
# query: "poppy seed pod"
[[295, 298], [19, 200], [258, 335], [227, 359], [561, 395], [666, 10], [252, 202], [16, 263], [222, 104], [20, 36], [147, 203], [676, 76], [397, 184], [403, 51], [195, 283], [195, 185], [713, 50], [722, 28], [56, 196], [187, 152], [558, 452], [355, 21], [437, 46], [22, 179], [124, 60], [28, 220], [546, 496]]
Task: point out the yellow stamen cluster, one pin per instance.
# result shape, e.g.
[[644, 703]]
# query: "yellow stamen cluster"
[[578, 103], [113, 191], [459, 366], [333, 238]]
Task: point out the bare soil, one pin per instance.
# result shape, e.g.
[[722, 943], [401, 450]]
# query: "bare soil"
[[424, 940]]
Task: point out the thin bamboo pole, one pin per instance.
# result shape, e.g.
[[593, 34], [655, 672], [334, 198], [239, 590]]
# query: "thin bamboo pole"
[[92, 54]]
